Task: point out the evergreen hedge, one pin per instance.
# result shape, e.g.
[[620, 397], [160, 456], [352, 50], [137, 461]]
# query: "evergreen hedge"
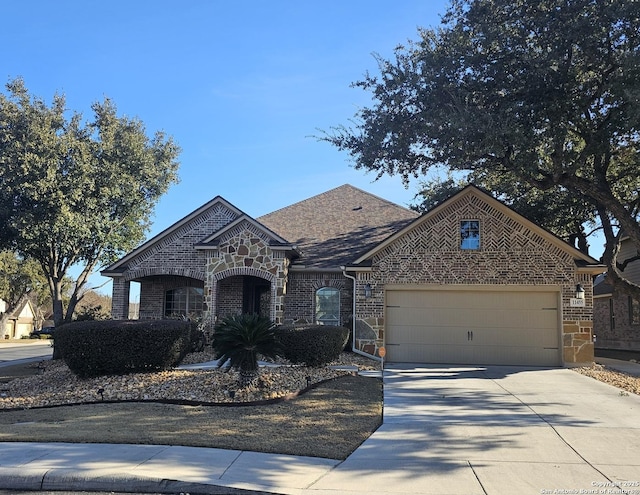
[[94, 348], [312, 345]]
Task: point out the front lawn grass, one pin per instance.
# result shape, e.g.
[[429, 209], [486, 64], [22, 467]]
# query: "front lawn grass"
[[329, 421]]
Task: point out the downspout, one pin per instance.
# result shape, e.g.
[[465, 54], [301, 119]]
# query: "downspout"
[[353, 324]]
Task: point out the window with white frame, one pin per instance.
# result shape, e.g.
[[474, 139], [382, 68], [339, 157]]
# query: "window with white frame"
[[184, 301], [328, 306]]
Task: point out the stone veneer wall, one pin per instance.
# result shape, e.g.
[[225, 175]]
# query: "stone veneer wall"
[[245, 250], [300, 299], [510, 254], [577, 323]]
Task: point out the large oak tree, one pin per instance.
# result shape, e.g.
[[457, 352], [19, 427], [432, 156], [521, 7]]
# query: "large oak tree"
[[544, 94], [74, 193]]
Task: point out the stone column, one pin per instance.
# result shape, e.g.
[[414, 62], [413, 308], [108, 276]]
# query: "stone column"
[[120, 299]]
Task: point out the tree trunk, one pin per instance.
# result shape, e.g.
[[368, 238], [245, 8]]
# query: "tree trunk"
[[58, 311], [4, 318], [248, 377]]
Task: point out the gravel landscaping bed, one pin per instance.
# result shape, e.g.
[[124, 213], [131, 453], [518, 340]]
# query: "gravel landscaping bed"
[[620, 380], [56, 385]]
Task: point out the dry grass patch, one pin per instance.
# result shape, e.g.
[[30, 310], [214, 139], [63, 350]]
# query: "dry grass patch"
[[329, 421]]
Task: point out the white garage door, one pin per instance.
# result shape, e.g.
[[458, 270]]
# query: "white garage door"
[[473, 327]]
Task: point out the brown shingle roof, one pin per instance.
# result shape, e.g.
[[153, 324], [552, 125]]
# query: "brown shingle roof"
[[333, 228]]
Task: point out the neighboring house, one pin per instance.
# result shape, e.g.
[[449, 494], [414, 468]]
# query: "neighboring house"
[[21, 321], [471, 281], [616, 317]]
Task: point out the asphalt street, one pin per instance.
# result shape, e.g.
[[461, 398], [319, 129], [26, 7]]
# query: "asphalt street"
[[32, 350]]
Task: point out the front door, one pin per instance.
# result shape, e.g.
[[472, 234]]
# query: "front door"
[[256, 296]]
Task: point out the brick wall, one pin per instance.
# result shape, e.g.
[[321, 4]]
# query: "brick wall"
[[152, 293], [229, 297], [624, 335], [120, 299], [300, 298], [510, 254], [176, 251]]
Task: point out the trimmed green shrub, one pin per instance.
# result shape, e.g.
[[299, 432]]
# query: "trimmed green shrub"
[[312, 345], [94, 348]]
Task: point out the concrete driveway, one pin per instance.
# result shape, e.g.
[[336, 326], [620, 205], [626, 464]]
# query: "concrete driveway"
[[496, 430]]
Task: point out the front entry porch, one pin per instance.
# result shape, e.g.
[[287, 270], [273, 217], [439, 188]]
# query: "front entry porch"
[[243, 294]]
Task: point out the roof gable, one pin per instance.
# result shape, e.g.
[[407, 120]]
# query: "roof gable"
[[243, 222], [202, 222], [333, 227], [529, 236], [24, 309]]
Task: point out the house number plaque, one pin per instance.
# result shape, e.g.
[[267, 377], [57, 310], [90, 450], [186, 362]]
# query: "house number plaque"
[[576, 303]]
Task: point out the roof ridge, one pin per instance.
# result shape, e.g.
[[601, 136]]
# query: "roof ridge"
[[380, 198], [343, 186]]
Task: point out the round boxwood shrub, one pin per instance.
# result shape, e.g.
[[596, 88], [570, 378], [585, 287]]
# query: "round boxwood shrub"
[[94, 348], [312, 345]]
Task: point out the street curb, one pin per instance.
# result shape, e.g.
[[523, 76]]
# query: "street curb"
[[17, 362], [73, 480]]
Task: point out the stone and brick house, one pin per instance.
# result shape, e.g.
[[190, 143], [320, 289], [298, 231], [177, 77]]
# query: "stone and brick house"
[[616, 316], [470, 281]]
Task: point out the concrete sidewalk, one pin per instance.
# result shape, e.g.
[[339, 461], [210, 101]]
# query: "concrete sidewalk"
[[151, 468], [628, 367], [447, 430]]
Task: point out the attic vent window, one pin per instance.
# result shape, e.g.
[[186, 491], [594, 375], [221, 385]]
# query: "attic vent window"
[[470, 234], [357, 208]]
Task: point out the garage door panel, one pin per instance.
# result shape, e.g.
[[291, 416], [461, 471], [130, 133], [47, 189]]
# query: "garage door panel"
[[481, 327], [429, 353], [439, 317], [526, 338], [414, 335], [508, 320], [474, 299]]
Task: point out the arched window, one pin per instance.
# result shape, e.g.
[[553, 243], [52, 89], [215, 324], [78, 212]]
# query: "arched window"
[[328, 306], [183, 301]]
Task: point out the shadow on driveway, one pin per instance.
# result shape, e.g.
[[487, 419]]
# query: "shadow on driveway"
[[494, 429]]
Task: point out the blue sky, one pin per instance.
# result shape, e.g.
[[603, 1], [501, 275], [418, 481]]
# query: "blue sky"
[[242, 86]]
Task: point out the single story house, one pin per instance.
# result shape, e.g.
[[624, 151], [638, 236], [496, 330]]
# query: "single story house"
[[470, 281], [616, 316], [21, 322]]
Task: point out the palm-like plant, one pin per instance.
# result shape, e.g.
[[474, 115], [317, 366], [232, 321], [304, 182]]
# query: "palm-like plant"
[[238, 340]]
